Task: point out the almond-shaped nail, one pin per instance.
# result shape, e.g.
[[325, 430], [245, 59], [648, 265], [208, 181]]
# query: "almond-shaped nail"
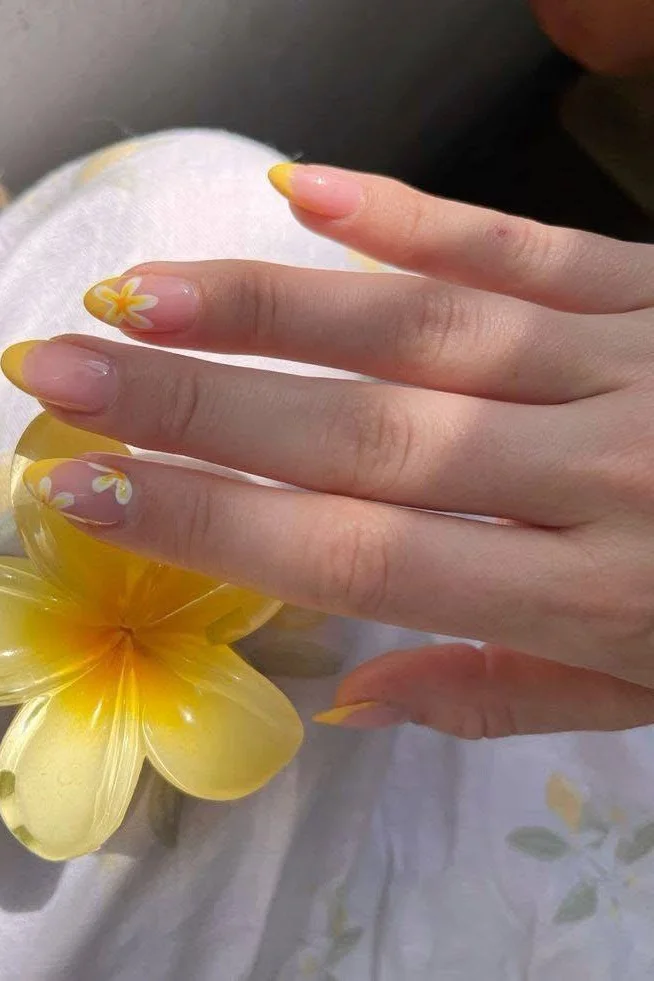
[[84, 492], [322, 190], [363, 715], [159, 304], [62, 373]]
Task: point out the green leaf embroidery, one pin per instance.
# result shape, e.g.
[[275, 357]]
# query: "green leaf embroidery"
[[579, 904], [344, 945], [629, 850], [540, 843], [165, 811]]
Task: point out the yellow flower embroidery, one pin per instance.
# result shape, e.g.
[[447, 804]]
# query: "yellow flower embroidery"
[[43, 494], [123, 306], [112, 478], [563, 798], [108, 655]]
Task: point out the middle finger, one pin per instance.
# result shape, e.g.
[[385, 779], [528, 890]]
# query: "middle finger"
[[397, 327], [399, 445]]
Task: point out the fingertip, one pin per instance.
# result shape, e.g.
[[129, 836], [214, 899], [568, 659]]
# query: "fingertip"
[[319, 190]]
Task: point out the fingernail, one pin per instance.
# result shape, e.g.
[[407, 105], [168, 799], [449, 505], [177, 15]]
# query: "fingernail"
[[161, 304], [82, 491], [363, 715], [64, 374], [322, 190]]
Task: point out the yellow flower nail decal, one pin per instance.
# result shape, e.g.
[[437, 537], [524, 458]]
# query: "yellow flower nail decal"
[[109, 657], [112, 478], [122, 307]]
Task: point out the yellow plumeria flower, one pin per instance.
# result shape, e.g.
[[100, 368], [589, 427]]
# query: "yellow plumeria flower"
[[115, 659], [123, 306]]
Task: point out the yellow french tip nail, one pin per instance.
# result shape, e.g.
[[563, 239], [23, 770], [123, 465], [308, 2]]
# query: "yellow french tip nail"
[[337, 716], [94, 305], [35, 472], [12, 362], [280, 176]]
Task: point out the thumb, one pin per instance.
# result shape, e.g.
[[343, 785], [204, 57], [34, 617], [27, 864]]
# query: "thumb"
[[474, 694]]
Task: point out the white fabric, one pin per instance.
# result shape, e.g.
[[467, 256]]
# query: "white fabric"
[[395, 856]]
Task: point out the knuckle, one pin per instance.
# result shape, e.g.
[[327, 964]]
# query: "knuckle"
[[524, 244], [354, 569], [375, 435], [194, 531], [610, 610], [617, 465], [431, 326], [260, 303], [181, 409], [415, 232]]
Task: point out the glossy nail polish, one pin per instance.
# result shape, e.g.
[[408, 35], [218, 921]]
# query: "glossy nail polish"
[[148, 303], [84, 492], [321, 190], [363, 715], [62, 373]]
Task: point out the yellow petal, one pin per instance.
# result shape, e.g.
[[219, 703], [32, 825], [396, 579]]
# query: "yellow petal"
[[176, 600], [98, 575], [69, 763], [43, 642], [221, 736]]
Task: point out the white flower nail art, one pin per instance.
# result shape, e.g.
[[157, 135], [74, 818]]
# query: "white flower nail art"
[[124, 305], [43, 493], [112, 478]]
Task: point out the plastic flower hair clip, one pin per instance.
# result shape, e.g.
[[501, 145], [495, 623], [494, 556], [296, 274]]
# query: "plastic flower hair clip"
[[115, 659]]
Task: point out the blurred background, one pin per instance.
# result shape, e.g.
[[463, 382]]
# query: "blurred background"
[[462, 97]]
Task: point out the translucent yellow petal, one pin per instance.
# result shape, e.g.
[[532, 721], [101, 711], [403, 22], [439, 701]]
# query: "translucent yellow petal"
[[97, 574], [69, 763], [221, 736], [171, 599], [44, 643]]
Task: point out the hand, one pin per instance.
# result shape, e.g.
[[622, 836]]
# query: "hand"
[[516, 381], [612, 36]]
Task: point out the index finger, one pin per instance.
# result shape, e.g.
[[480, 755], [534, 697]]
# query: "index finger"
[[557, 267]]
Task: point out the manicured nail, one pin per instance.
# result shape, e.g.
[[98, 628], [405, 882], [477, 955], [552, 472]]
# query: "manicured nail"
[[161, 304], [363, 715], [82, 491], [322, 190], [64, 374]]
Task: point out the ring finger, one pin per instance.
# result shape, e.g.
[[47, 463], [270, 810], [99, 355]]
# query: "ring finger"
[[394, 444]]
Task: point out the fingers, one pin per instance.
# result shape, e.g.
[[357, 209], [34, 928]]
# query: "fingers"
[[402, 328], [556, 267], [395, 444], [485, 693], [324, 552]]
